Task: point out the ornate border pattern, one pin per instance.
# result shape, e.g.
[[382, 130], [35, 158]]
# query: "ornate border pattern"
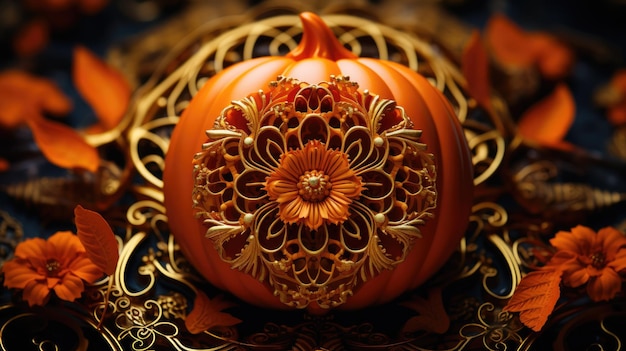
[[153, 283]]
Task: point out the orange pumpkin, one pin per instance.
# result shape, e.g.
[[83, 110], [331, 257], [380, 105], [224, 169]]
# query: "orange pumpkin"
[[318, 191]]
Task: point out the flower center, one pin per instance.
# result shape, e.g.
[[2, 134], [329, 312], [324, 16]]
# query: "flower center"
[[314, 186], [598, 259], [52, 267]]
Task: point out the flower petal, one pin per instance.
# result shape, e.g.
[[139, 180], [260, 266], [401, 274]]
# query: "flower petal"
[[64, 246], [574, 274], [70, 288], [605, 286], [85, 269], [33, 250], [36, 293], [18, 273], [612, 241], [577, 241], [618, 264]]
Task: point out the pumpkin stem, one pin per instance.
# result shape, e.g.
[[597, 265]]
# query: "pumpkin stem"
[[318, 40]]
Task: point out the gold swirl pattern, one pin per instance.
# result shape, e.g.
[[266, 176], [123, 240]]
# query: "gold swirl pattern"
[[324, 186]]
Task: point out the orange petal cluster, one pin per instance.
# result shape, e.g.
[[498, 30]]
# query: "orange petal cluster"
[[59, 264], [595, 259], [313, 185], [582, 257]]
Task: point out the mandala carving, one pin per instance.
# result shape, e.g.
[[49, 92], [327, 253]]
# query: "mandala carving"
[[320, 188]]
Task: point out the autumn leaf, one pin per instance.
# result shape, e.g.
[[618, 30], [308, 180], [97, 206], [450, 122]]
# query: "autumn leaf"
[[553, 59], [207, 313], [548, 121], [24, 97], [98, 239], [63, 146], [31, 38], [475, 68], [511, 45], [432, 314], [535, 297], [103, 87], [4, 165], [508, 42]]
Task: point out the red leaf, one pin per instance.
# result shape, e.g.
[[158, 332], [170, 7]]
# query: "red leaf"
[[98, 239], [535, 297], [548, 121], [206, 314], [475, 68], [104, 88], [62, 145]]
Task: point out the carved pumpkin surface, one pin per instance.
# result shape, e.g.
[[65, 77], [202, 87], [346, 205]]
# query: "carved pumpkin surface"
[[318, 179]]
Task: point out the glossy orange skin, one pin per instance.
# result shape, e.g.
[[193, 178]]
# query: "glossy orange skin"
[[318, 56]]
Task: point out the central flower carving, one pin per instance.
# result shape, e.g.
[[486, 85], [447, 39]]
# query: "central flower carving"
[[313, 185], [313, 188]]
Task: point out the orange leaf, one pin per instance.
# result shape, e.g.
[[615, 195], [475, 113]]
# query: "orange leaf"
[[475, 68], [508, 42], [103, 87], [548, 121], [554, 59], [23, 97], [98, 239], [62, 145], [31, 38], [206, 314], [4, 165], [535, 297]]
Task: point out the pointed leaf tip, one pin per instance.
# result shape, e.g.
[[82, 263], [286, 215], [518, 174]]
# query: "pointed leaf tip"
[[103, 87], [62, 145]]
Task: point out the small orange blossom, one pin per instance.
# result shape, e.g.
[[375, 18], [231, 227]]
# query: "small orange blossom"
[[591, 258], [40, 266], [313, 185]]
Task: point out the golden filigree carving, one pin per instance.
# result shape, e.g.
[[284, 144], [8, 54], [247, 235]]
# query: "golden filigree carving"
[[324, 186], [535, 190], [11, 233]]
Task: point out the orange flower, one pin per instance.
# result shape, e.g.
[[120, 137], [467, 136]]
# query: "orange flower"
[[59, 263], [591, 258], [313, 185]]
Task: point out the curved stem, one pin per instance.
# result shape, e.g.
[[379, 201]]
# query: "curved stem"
[[318, 40]]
